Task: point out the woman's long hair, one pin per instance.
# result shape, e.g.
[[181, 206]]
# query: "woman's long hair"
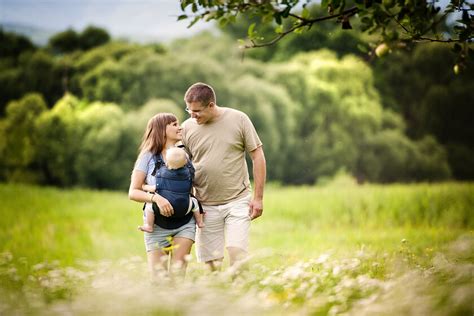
[[154, 139]]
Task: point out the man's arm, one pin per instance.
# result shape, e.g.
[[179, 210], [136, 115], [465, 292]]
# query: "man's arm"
[[259, 175]]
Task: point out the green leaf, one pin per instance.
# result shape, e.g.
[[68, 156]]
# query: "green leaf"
[[250, 31], [305, 13], [232, 19], [193, 22], [363, 48], [223, 22], [286, 12], [182, 17], [277, 17], [185, 3]]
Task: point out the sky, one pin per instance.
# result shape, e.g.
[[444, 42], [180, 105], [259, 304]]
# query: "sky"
[[142, 20]]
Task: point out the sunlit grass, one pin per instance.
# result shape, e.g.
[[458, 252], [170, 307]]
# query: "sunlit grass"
[[381, 250]]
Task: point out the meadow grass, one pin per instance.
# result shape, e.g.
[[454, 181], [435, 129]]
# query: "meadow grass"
[[316, 251]]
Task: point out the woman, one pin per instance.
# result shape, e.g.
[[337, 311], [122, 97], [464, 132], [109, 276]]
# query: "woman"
[[162, 132]]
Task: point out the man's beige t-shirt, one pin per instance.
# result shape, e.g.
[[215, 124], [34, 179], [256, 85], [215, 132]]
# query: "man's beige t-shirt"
[[217, 151]]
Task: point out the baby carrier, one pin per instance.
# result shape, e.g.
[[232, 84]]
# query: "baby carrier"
[[174, 185]]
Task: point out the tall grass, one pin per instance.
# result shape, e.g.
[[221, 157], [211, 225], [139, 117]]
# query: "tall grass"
[[51, 224], [304, 221], [349, 250]]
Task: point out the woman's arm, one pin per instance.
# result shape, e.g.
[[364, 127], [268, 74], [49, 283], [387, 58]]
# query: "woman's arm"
[[149, 188], [135, 193]]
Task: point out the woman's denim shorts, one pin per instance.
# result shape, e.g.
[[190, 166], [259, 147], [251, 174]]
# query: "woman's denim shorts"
[[160, 236]]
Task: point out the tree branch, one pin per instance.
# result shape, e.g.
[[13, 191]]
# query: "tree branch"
[[304, 22], [449, 40]]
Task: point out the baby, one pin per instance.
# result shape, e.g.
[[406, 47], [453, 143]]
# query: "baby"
[[175, 160]]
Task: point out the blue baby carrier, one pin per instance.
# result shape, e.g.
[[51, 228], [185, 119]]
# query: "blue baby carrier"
[[175, 186]]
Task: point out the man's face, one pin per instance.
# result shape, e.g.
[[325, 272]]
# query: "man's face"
[[202, 114]]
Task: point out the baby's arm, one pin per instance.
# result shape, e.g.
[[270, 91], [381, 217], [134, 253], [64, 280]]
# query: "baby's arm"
[[148, 188]]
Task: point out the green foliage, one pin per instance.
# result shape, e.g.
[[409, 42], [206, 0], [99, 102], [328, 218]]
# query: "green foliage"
[[336, 113], [41, 73], [69, 40], [395, 22], [11, 86], [326, 34], [93, 36], [100, 162], [64, 42], [461, 160], [18, 152], [317, 113], [12, 45], [390, 156], [57, 142], [432, 100]]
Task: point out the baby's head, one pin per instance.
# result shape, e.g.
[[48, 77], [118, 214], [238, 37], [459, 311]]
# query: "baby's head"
[[175, 158]]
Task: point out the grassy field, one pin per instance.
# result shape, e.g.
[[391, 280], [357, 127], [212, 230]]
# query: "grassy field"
[[398, 249]]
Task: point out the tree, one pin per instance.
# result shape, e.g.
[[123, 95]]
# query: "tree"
[[12, 45], [64, 42], [432, 100], [69, 40], [93, 36], [99, 162], [396, 22], [56, 142], [18, 155]]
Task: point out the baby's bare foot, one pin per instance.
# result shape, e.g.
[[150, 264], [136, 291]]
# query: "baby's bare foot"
[[146, 228]]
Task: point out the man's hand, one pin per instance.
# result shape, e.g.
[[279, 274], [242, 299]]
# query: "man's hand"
[[256, 209], [164, 205]]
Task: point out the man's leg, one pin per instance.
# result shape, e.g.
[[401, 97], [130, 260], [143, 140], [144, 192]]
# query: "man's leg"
[[237, 229], [214, 265], [236, 254], [210, 238]]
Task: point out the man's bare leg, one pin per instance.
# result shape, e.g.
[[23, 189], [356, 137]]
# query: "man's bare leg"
[[236, 254], [215, 265]]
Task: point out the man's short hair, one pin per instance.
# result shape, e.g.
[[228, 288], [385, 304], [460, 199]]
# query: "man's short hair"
[[200, 92]]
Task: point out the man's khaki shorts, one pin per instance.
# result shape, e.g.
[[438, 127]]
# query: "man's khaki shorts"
[[225, 225]]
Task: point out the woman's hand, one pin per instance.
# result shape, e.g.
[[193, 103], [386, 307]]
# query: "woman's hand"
[[164, 205], [148, 188]]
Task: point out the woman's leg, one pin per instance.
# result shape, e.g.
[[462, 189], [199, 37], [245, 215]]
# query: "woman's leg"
[[155, 262], [182, 249]]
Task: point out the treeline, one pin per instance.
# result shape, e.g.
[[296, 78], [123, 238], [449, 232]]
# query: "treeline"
[[76, 116]]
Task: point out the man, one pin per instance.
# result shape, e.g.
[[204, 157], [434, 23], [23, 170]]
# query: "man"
[[217, 139]]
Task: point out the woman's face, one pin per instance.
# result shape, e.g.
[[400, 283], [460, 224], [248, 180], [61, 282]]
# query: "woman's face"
[[173, 131]]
